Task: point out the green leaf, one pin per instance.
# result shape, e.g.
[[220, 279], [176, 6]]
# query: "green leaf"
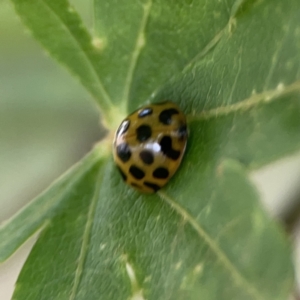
[[234, 68], [112, 241], [38, 214], [57, 26], [147, 42], [73, 223]]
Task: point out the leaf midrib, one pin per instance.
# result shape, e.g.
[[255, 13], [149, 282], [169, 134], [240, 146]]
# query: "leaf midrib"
[[246, 104], [87, 234], [139, 45]]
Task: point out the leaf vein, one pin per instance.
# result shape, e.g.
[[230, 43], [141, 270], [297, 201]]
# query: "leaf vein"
[[246, 104], [137, 292], [213, 245], [86, 238], [104, 93], [140, 43], [37, 214], [274, 62], [236, 76], [210, 45]]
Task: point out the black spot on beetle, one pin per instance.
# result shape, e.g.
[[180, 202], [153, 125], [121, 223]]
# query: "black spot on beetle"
[[161, 173], [123, 127], [151, 185], [166, 148], [145, 112], [123, 152], [147, 157], [165, 116], [182, 132], [166, 144], [174, 154], [122, 173], [136, 172], [136, 185], [143, 132]]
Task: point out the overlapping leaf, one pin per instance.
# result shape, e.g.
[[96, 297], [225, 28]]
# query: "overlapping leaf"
[[40, 211]]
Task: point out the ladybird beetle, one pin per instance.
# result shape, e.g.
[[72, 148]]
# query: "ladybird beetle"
[[149, 145]]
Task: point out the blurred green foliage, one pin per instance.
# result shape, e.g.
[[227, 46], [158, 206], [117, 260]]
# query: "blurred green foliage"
[[41, 134]]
